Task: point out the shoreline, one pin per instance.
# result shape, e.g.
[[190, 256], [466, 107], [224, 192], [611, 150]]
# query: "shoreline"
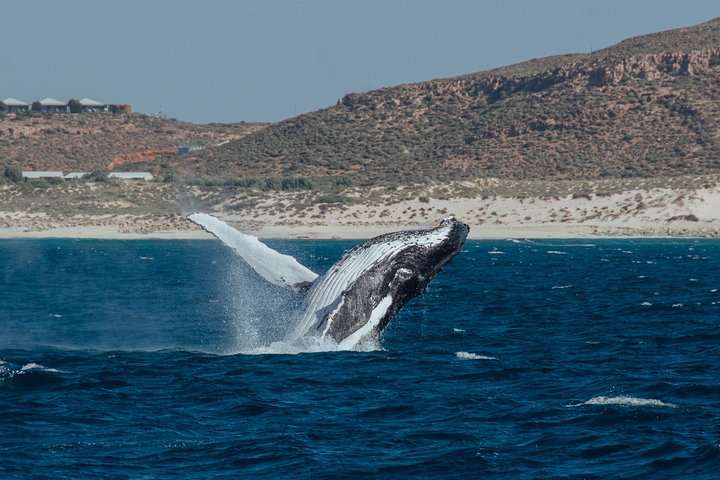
[[477, 232]]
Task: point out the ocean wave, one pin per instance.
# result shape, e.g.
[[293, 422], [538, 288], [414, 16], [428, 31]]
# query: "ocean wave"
[[626, 401], [8, 370], [472, 356]]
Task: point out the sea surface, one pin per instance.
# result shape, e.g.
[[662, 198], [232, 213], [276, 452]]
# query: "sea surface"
[[524, 359]]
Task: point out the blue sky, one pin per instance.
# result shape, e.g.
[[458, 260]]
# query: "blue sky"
[[265, 60]]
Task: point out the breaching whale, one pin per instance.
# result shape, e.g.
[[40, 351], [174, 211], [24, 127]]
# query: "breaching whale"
[[358, 296]]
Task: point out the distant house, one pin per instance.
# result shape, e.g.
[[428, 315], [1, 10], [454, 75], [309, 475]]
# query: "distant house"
[[187, 150], [90, 105], [75, 175], [41, 174], [15, 105], [50, 105], [131, 175]]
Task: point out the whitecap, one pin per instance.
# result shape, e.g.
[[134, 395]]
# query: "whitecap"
[[646, 304], [458, 330], [713, 290], [37, 366], [472, 356], [626, 401], [556, 252], [495, 252], [56, 315], [560, 287], [677, 305]]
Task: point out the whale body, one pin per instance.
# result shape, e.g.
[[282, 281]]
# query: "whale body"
[[358, 296]]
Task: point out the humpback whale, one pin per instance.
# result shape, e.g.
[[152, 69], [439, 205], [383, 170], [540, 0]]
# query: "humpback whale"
[[359, 295]]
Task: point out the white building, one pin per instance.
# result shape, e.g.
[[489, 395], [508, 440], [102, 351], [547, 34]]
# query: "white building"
[[90, 105], [131, 175], [42, 174], [15, 105], [51, 105]]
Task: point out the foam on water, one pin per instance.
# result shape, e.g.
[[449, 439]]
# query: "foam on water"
[[626, 401], [472, 356], [310, 345]]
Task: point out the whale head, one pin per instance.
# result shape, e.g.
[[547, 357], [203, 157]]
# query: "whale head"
[[361, 293]]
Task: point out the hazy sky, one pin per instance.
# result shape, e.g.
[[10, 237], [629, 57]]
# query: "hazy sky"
[[265, 60]]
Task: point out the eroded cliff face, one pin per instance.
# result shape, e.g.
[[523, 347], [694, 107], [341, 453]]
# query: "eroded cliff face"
[[602, 72]]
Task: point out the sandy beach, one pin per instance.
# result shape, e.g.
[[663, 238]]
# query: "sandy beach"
[[653, 212]]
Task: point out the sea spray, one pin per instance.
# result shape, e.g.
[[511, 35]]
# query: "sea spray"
[[258, 313]]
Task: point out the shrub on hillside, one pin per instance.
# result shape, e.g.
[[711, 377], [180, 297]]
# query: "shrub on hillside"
[[74, 106], [13, 174], [98, 176]]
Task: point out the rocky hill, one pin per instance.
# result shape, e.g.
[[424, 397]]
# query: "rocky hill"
[[648, 106], [91, 141]]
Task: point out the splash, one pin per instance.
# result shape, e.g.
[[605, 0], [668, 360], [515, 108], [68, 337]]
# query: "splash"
[[261, 320]]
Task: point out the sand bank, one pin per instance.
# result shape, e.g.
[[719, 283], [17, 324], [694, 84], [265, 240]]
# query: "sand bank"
[[649, 212]]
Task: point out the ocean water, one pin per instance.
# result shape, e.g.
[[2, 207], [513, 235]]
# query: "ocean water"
[[533, 359]]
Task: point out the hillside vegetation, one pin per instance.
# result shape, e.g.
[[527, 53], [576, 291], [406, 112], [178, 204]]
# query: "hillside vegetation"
[[646, 107], [91, 141]]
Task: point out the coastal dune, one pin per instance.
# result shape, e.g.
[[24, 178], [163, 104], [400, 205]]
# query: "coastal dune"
[[579, 210]]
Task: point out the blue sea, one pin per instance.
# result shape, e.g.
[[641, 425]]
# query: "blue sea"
[[158, 359]]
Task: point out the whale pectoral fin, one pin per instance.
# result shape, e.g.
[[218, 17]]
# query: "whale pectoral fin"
[[273, 266]]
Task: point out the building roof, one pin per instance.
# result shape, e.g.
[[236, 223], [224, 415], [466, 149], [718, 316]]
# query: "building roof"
[[89, 102], [131, 175], [14, 102], [41, 174], [51, 102]]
